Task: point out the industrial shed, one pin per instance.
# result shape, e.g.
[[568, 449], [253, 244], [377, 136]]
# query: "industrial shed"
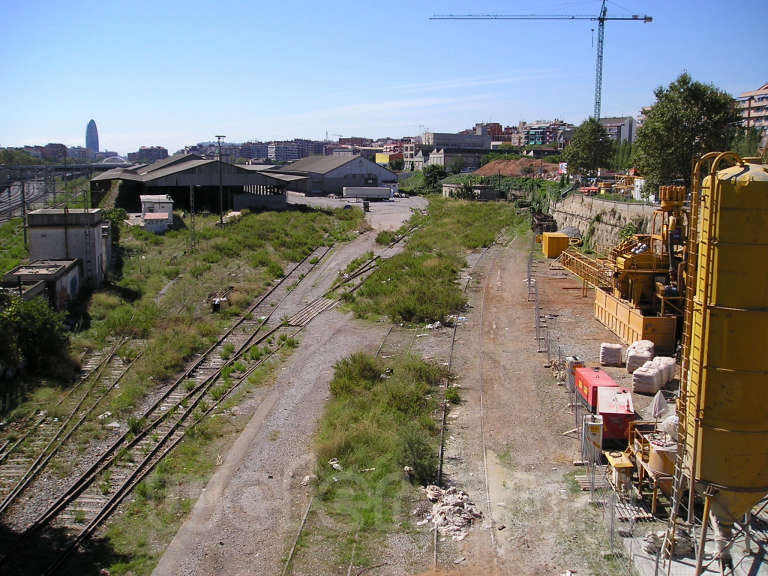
[[178, 176], [322, 175]]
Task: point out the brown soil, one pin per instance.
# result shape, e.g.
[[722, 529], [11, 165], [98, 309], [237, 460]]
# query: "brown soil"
[[515, 167]]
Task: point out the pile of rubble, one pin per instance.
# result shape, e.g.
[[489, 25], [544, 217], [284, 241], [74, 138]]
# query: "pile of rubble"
[[653, 542], [452, 511]]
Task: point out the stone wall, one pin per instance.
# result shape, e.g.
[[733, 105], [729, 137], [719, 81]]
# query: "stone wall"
[[605, 217]]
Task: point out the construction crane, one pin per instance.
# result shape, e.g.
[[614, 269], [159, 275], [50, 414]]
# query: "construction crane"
[[601, 19]]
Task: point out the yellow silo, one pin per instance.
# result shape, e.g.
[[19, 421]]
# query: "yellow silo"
[[726, 406]]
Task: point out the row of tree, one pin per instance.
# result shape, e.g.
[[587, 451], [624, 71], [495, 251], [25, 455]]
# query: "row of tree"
[[687, 120]]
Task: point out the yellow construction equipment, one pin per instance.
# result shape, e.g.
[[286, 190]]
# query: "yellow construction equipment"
[[723, 418], [554, 243], [639, 286]]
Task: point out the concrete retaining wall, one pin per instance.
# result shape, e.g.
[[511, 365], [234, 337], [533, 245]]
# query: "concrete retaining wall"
[[607, 217]]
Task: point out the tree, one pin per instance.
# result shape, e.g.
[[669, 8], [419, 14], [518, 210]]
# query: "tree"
[[589, 149], [745, 141], [688, 119], [622, 155], [396, 164], [432, 176], [457, 165]]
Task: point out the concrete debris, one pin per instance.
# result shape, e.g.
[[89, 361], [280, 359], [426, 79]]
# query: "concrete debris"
[[308, 480], [105, 415], [653, 541], [334, 463], [113, 425], [452, 511]]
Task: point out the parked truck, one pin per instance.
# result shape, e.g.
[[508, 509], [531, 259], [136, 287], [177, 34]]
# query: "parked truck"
[[368, 192]]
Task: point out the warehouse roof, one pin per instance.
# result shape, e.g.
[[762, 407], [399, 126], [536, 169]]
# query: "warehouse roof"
[[317, 164], [184, 163]]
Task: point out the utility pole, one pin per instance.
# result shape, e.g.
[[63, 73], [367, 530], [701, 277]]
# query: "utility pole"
[[24, 211], [192, 240], [221, 189]]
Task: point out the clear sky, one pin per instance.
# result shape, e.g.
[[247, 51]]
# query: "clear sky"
[[174, 73]]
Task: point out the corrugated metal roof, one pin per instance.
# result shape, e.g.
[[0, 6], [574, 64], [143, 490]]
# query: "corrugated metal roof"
[[177, 159], [317, 164], [174, 169]]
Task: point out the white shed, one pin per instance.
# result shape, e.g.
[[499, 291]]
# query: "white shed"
[[156, 212]]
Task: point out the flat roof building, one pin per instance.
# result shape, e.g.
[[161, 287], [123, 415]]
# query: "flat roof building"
[[65, 234], [753, 107]]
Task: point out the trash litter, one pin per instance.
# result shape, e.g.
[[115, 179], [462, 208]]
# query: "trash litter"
[[452, 511], [308, 479], [105, 415], [434, 326], [334, 463], [113, 425]]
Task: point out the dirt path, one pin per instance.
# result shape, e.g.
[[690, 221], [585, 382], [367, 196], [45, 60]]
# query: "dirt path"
[[505, 442]]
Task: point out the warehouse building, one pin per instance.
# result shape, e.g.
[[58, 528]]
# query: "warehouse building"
[[188, 178], [322, 175]]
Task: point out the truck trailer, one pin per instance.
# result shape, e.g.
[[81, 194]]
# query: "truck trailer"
[[368, 192]]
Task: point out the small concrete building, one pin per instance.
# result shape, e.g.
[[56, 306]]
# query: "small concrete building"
[[66, 234], [57, 280], [323, 175], [156, 212]]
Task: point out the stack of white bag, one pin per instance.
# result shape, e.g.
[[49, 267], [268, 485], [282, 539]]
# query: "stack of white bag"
[[610, 354], [638, 354], [667, 366], [648, 378]]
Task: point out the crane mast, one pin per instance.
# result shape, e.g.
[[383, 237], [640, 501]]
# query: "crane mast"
[[601, 19]]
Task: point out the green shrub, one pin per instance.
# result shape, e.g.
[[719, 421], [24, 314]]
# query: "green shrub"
[[385, 237], [226, 350]]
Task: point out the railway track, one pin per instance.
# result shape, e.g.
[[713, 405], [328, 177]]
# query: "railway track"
[[73, 517], [95, 495], [441, 453], [25, 459]]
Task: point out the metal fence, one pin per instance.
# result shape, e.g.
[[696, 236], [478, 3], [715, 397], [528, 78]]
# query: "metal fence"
[[617, 526]]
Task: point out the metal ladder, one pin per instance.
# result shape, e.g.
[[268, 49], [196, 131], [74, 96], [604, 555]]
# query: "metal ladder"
[[685, 396]]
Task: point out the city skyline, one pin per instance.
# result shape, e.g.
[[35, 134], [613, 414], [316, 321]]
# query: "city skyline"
[[284, 74]]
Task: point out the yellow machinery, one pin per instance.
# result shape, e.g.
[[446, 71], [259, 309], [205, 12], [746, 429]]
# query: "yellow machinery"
[[554, 243], [639, 287], [722, 411]]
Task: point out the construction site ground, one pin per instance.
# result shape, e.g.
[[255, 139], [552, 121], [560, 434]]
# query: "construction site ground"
[[506, 442]]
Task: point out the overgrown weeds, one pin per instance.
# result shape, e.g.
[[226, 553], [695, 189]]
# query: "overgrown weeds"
[[420, 283], [378, 421]]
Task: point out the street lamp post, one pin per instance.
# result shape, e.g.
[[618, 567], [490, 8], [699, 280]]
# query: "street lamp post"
[[221, 190]]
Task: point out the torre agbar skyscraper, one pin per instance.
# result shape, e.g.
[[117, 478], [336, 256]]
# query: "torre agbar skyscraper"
[[92, 137]]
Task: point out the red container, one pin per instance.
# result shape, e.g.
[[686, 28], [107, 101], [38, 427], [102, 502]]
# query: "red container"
[[587, 382], [614, 404]]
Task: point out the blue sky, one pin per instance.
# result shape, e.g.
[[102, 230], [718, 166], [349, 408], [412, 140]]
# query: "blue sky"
[[174, 73]]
